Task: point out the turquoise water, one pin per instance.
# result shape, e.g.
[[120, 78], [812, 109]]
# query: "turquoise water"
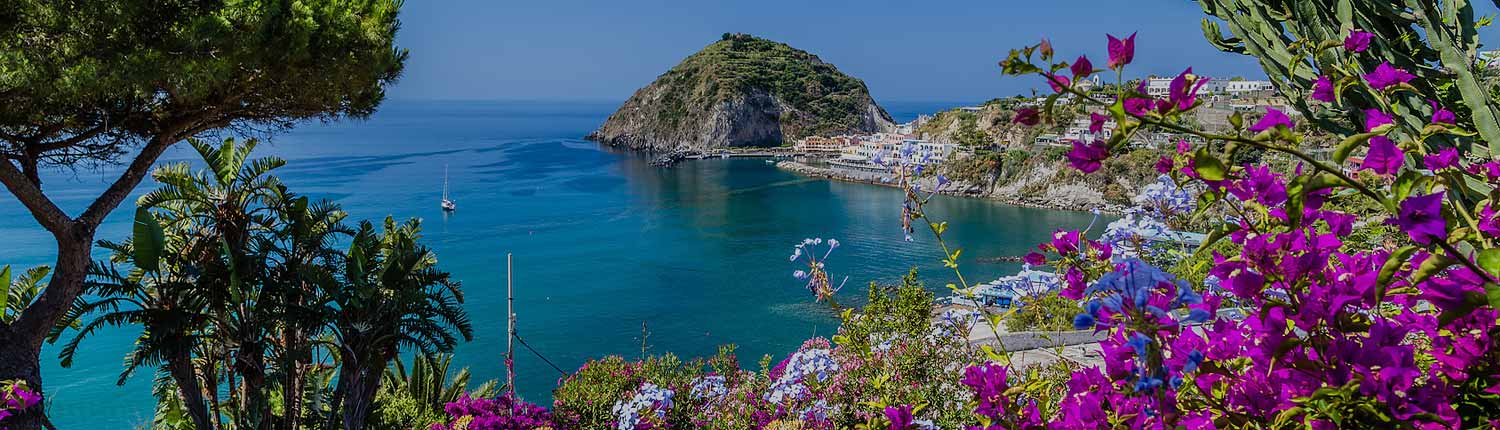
[[602, 241]]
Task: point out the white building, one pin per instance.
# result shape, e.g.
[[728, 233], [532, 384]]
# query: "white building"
[[1079, 130], [1158, 87], [1249, 88]]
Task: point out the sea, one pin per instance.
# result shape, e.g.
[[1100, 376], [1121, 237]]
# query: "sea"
[[611, 255]]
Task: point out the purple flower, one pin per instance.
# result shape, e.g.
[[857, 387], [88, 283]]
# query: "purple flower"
[[1139, 106], [1058, 83], [1088, 158], [1446, 158], [1082, 67], [1065, 241], [1375, 118], [1028, 117], [1422, 218], [1489, 223], [1096, 122], [1183, 92], [900, 417], [1384, 157], [1273, 118], [1386, 76], [1358, 41], [1034, 259], [1323, 90], [1074, 284], [1121, 52], [1164, 165], [1046, 48], [1441, 115]]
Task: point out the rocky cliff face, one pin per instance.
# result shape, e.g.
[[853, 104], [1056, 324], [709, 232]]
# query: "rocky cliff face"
[[743, 91]]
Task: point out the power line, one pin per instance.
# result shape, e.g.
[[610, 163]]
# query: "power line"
[[539, 355]]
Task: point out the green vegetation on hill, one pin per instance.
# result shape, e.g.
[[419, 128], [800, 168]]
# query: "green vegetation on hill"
[[744, 91], [740, 63]]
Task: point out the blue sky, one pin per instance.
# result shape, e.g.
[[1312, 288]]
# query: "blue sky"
[[934, 50]]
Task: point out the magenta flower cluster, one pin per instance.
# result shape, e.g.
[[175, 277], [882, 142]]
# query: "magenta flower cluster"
[[16, 397], [500, 413], [1303, 329]]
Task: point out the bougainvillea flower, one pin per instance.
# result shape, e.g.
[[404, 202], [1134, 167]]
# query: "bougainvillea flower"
[[1121, 52], [1273, 118], [1096, 122], [1323, 90], [1058, 83], [1384, 157], [1074, 285], [1045, 48], [1441, 115], [1489, 222], [1164, 165], [1358, 41], [1446, 158], [1386, 76], [1088, 158], [1376, 118], [1421, 217], [900, 417], [1065, 241], [1034, 259], [1082, 67], [1028, 117], [1139, 106], [1183, 91]]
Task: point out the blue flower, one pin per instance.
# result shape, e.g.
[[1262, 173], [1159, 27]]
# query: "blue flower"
[[1083, 321]]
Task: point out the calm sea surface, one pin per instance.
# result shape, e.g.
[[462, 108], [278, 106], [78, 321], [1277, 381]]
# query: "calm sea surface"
[[602, 241]]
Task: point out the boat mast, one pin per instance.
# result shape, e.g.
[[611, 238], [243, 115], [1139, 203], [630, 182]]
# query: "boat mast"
[[445, 182]]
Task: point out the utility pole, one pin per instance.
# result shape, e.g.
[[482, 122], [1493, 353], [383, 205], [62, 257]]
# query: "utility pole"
[[510, 328]]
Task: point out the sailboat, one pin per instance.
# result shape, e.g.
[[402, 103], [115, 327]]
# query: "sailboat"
[[448, 205]]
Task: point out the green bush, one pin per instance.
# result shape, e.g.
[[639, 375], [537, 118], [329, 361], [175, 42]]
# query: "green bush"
[[395, 410], [1046, 313]]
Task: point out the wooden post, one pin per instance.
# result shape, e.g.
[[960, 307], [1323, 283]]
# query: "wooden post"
[[510, 328]]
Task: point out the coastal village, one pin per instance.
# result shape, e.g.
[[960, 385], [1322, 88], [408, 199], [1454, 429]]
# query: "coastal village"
[[857, 157]]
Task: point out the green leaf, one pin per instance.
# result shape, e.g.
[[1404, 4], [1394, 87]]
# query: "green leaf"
[[1208, 166], [5, 294], [1489, 260], [1341, 152], [1431, 266], [1388, 270], [147, 240]]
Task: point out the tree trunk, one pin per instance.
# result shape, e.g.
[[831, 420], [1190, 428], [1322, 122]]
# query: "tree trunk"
[[363, 382], [19, 362], [181, 367], [250, 364], [295, 372], [21, 342]]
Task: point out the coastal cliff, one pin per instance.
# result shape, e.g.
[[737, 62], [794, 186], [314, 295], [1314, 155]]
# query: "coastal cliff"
[[743, 91]]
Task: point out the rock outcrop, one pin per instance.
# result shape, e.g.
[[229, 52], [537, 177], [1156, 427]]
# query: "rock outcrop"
[[743, 91]]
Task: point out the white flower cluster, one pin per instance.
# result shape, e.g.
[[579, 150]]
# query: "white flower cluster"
[[956, 321], [1135, 231], [815, 363], [710, 387], [1165, 199], [648, 397]]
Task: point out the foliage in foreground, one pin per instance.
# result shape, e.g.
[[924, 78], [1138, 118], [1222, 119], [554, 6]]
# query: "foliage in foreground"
[[1304, 323]]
